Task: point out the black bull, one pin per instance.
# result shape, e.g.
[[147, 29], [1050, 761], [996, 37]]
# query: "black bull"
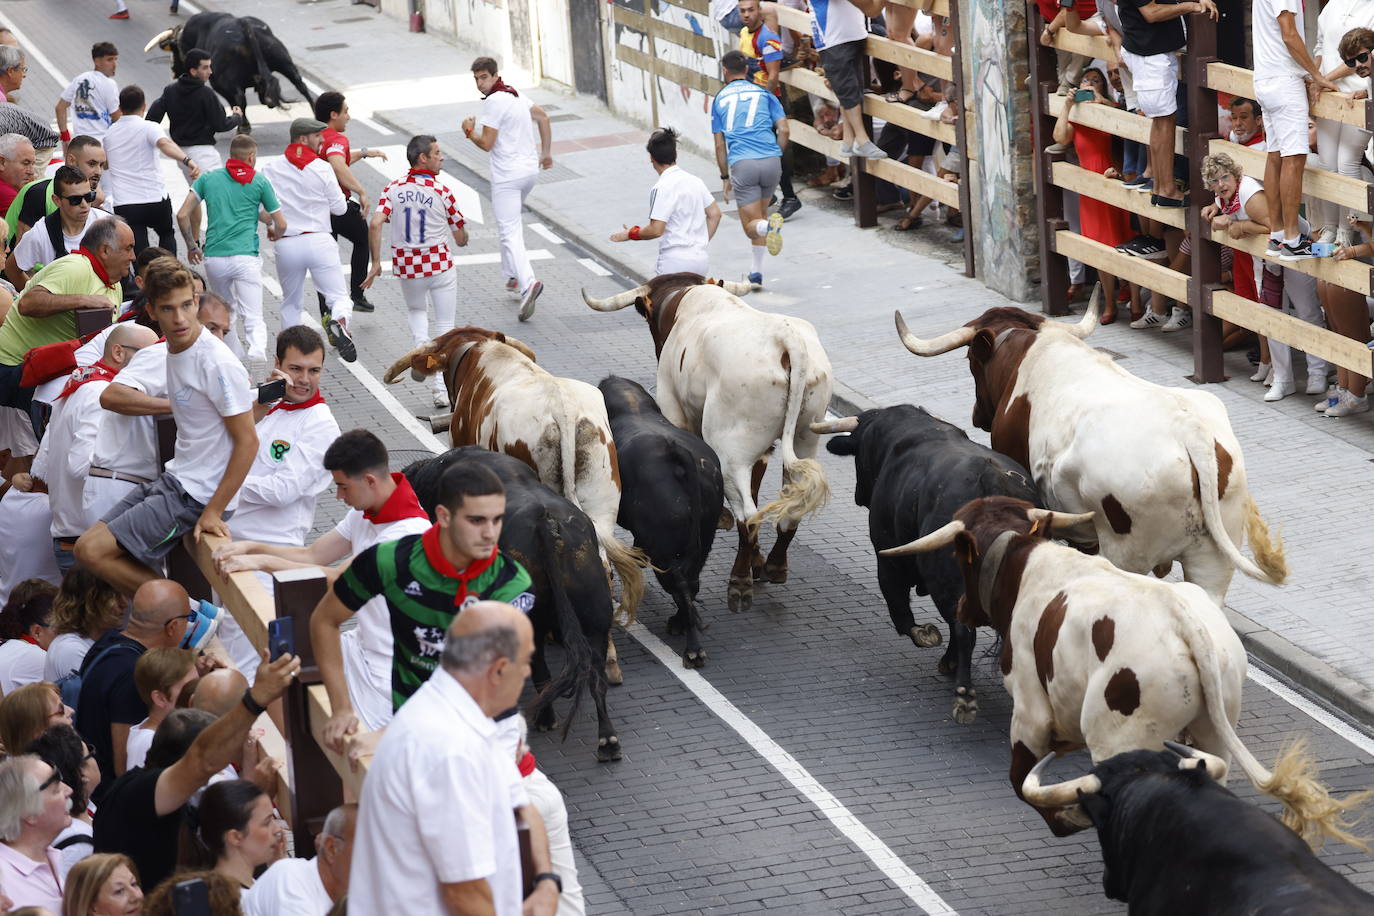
[[244, 54], [557, 545], [913, 472]]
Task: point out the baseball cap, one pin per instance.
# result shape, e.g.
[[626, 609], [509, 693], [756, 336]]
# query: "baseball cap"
[[302, 126]]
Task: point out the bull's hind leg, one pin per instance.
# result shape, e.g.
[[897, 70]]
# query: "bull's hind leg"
[[756, 562], [614, 676], [1207, 567], [607, 743], [775, 569], [961, 642], [539, 673], [687, 622], [740, 596]]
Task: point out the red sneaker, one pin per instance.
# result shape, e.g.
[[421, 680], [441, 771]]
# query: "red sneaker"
[[122, 14]]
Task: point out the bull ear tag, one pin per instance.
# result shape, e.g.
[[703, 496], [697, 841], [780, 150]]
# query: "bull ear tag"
[[431, 362]]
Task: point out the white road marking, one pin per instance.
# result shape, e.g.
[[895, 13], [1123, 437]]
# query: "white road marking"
[[1293, 698], [394, 166], [541, 230], [594, 267], [353, 113]]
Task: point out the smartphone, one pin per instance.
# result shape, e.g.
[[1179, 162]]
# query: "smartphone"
[[191, 898], [271, 391], [1084, 95], [281, 637]]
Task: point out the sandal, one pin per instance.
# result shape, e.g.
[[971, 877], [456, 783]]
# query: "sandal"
[[896, 96], [907, 223]]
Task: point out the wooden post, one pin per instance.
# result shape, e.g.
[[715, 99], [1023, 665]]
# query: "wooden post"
[[1202, 129], [1049, 201], [961, 132], [88, 321]]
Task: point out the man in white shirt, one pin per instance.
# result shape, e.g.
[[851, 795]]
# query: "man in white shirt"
[[507, 133], [422, 212], [309, 194], [132, 145], [436, 822], [211, 402], [59, 232], [93, 97], [308, 887], [87, 155], [682, 213]]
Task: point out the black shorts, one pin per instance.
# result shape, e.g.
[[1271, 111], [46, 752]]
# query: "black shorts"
[[841, 63]]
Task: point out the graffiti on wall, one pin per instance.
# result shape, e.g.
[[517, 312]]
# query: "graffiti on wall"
[[636, 91]]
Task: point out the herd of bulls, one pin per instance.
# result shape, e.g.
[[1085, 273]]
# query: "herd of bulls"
[[1095, 652]]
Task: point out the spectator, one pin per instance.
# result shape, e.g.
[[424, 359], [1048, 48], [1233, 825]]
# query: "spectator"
[[331, 108], [28, 712], [195, 114], [308, 887], [160, 675], [235, 831], [435, 831], [682, 213], [61, 231], [1247, 122], [1282, 63], [93, 96], [33, 811], [25, 633], [132, 144], [1056, 15], [1344, 43], [840, 33], [761, 44], [141, 815], [223, 895], [16, 162], [13, 68], [84, 609], [35, 200], [103, 885], [900, 22], [63, 748], [1347, 312], [826, 120]]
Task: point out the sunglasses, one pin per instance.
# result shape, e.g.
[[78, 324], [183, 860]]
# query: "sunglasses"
[[1357, 59], [187, 617], [76, 199]]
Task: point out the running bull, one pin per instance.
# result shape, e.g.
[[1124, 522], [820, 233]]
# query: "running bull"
[[244, 54], [1176, 843], [672, 497], [1097, 657], [913, 471], [556, 543], [741, 379], [1158, 467]]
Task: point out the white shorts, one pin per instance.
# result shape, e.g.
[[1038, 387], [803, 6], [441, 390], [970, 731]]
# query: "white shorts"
[[681, 260], [1155, 80], [1284, 100], [16, 432]]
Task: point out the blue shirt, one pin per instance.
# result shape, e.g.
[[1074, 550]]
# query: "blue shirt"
[[745, 112]]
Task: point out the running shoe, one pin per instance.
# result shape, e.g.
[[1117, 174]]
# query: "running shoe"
[[774, 238], [527, 302], [1274, 248], [1135, 182], [843, 193], [869, 150], [1347, 405], [789, 207], [1158, 200], [1147, 247], [512, 285], [1145, 187], [756, 281], [122, 14], [846, 150], [341, 340], [1147, 321], [1179, 319], [1299, 252]]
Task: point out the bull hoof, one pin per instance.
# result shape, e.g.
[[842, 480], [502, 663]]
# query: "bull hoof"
[[945, 665], [695, 659], [614, 676], [927, 636], [608, 749], [965, 706], [775, 574], [741, 597], [726, 522]]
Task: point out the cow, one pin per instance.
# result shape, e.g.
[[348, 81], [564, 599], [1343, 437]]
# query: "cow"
[[1176, 843], [505, 401], [672, 495], [741, 379], [244, 54], [1094, 656], [1159, 467], [557, 545], [913, 471]]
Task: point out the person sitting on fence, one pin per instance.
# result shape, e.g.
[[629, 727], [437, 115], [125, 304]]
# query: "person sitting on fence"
[[70, 755], [33, 800], [1343, 54], [308, 887], [160, 675], [85, 608], [1070, 66], [840, 33]]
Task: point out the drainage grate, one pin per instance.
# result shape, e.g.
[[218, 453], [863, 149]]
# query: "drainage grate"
[[1112, 353], [355, 19], [333, 47], [559, 172], [565, 117]]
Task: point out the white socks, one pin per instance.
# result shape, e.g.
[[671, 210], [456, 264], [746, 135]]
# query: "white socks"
[[758, 251]]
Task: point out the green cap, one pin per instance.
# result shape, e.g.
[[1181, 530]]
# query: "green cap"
[[302, 126]]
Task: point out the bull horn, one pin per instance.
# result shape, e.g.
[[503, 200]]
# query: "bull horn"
[[955, 339], [843, 425], [1088, 323], [933, 541], [1194, 759], [1059, 795], [158, 39], [1058, 521], [736, 287], [401, 364], [616, 302]]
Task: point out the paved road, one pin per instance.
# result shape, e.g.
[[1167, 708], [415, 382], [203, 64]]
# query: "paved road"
[[813, 765]]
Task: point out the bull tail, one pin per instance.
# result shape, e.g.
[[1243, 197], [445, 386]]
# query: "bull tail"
[[579, 664], [251, 34], [805, 489], [686, 461], [567, 444], [1272, 565], [1310, 810], [628, 564]]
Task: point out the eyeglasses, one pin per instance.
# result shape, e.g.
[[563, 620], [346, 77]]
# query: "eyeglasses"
[[186, 617], [52, 780], [1357, 59], [76, 199]]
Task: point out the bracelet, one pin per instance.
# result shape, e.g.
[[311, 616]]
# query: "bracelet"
[[251, 704], [634, 233], [186, 162], [725, 178], [549, 876]]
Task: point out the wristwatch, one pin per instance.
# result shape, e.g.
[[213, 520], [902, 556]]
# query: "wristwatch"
[[549, 876], [186, 162]]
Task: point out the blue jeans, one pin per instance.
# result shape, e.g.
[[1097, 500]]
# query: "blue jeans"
[[1134, 157], [731, 22], [66, 559]]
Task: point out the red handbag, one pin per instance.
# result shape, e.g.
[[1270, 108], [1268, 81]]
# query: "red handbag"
[[49, 361]]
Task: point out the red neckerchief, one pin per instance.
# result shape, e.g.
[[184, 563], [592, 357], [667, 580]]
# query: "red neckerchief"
[[98, 372], [240, 171], [300, 155], [97, 267], [500, 86], [1256, 140], [414, 172], [33, 642], [435, 554], [316, 398], [402, 503]]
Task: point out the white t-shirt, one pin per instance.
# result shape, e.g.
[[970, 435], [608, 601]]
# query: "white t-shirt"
[[128, 445], [94, 98], [64, 456], [131, 148], [277, 499], [515, 154], [680, 199], [70, 855], [35, 247], [20, 663], [137, 744], [1271, 54], [307, 196], [205, 383], [291, 887], [835, 22], [65, 655], [1337, 18]]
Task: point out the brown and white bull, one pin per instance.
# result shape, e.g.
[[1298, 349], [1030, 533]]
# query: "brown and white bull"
[[1097, 657], [741, 379], [1159, 467], [504, 401]]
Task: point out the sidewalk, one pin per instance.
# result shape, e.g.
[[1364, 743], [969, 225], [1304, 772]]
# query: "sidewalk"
[[1318, 630]]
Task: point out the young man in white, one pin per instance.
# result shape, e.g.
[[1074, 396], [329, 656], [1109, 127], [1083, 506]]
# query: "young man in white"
[[682, 213], [309, 194], [212, 404], [1283, 68], [132, 145], [295, 886], [422, 213], [507, 132], [66, 225], [93, 97]]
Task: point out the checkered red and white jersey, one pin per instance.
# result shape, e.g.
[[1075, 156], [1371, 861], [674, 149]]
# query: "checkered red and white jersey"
[[421, 212]]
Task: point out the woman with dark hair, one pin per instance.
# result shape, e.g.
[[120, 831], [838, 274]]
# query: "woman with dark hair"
[[232, 831], [85, 607], [24, 636], [69, 754]]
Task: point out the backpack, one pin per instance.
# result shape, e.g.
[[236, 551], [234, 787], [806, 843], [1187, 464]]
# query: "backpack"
[[69, 684]]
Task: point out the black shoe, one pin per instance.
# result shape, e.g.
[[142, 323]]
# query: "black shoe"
[[1147, 247], [845, 193], [789, 207], [1298, 252], [1158, 201], [340, 340], [324, 312], [360, 304]]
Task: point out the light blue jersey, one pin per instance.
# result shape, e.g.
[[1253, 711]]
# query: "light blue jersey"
[[745, 113]]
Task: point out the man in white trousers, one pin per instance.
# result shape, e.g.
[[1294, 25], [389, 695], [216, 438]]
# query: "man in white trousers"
[[422, 212], [309, 193], [233, 197], [507, 132]]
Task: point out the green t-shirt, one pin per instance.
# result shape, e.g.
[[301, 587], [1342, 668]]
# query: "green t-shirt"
[[20, 200], [70, 275], [232, 227], [420, 600]]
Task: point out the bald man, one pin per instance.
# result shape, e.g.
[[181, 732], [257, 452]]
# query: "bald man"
[[219, 690], [306, 887], [436, 826]]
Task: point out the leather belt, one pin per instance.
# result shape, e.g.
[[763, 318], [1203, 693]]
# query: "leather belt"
[[117, 475], [66, 543]]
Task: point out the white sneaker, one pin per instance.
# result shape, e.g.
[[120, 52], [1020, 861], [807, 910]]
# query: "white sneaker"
[[1281, 389], [1347, 405], [1149, 320], [1262, 372], [1179, 319], [934, 112], [1327, 235], [1333, 394], [1316, 384], [1269, 377], [846, 150]]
